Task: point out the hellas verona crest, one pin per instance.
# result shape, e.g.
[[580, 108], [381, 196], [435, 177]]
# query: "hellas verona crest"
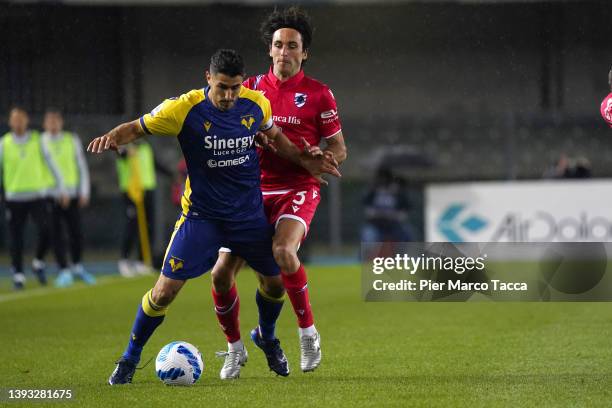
[[176, 263], [247, 121]]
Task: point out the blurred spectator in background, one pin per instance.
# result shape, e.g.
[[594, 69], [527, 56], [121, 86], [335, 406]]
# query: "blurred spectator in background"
[[557, 169], [30, 178], [567, 167], [141, 152], [581, 168], [67, 152], [386, 210]]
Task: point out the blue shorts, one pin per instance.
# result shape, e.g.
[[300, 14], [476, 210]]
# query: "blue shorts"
[[194, 246]]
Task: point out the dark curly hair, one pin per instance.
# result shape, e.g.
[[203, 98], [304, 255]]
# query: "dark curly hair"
[[227, 62], [293, 17]]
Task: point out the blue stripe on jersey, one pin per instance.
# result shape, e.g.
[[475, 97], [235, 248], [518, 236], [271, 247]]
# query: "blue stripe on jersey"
[[144, 127]]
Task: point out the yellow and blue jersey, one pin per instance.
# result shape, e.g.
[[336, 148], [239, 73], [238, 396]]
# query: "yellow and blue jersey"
[[219, 149]]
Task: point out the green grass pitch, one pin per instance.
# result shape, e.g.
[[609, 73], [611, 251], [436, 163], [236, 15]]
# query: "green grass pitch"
[[374, 354]]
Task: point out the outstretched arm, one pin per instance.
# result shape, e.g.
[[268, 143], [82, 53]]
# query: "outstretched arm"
[[316, 164], [122, 134]]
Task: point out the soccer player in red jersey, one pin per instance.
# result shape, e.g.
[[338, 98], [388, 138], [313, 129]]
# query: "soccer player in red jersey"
[[606, 104], [306, 111]]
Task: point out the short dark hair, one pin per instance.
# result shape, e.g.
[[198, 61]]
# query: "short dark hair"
[[18, 108], [52, 110], [228, 62], [293, 17]]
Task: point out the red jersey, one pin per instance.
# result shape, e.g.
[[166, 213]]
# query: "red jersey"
[[606, 109], [301, 107]]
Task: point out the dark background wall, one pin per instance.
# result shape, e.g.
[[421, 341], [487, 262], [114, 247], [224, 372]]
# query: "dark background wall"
[[407, 59], [485, 91]]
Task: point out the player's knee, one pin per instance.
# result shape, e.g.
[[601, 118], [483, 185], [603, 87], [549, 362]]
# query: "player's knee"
[[284, 254], [273, 287], [222, 282], [221, 271]]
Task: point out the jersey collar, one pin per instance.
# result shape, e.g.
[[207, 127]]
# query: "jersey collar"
[[277, 83], [53, 135], [23, 138], [208, 102]]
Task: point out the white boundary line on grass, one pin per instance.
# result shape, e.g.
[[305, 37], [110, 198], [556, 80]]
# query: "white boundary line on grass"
[[27, 294]]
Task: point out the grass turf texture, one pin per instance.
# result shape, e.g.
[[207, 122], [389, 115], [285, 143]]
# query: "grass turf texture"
[[374, 354]]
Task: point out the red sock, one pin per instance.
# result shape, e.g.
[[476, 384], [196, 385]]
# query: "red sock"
[[227, 308], [297, 290]]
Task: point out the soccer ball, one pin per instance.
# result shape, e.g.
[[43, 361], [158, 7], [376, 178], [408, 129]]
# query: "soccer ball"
[[179, 363]]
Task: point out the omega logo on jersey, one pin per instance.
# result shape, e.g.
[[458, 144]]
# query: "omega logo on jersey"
[[292, 120], [227, 163]]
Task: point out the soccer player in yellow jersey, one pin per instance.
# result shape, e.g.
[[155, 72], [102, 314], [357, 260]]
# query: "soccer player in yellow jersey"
[[222, 205]]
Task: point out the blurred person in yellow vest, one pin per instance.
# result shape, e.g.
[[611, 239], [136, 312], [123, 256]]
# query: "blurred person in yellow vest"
[[31, 181], [67, 151], [136, 171]]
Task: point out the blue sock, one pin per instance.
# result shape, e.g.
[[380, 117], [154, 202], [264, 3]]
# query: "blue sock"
[[269, 310], [148, 318]]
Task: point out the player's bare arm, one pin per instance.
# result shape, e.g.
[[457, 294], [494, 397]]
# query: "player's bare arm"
[[121, 135], [336, 147], [316, 164]]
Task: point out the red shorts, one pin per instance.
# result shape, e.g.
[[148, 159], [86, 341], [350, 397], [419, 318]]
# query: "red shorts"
[[298, 204]]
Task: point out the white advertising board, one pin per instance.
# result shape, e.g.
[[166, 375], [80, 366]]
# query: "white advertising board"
[[529, 211]]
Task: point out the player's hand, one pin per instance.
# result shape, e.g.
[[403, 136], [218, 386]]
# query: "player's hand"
[[322, 180], [64, 201], [330, 155], [321, 164], [318, 162], [263, 141], [83, 201], [103, 143], [313, 151]]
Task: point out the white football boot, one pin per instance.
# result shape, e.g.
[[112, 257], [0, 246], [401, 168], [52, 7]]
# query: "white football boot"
[[234, 360], [310, 351], [125, 268], [140, 268]]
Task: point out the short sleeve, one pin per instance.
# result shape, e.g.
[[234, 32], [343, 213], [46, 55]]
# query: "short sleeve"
[[266, 121], [168, 117], [328, 119]]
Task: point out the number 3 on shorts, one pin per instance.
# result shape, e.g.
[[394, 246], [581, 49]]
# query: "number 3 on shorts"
[[300, 198]]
